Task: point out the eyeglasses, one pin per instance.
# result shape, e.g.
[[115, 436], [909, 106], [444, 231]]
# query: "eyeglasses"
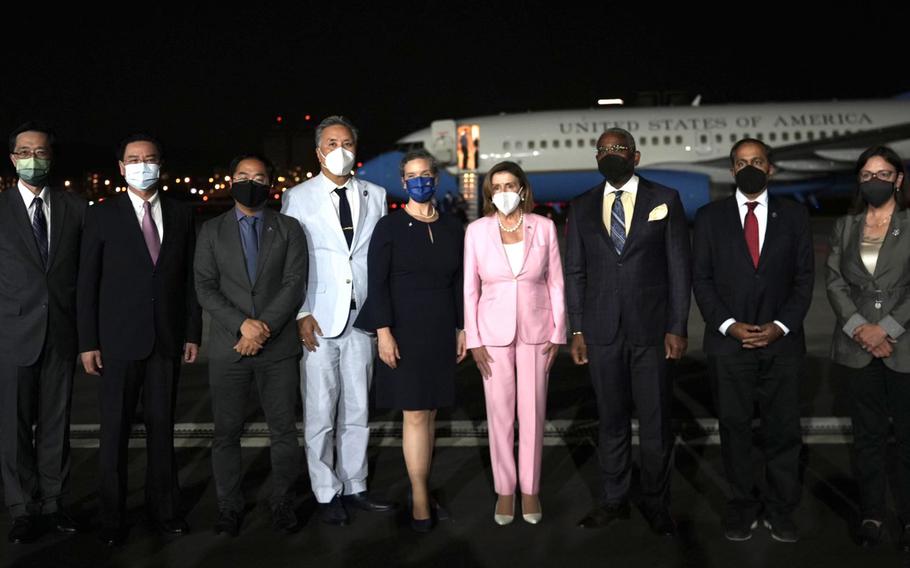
[[26, 153], [136, 160], [612, 148], [884, 175]]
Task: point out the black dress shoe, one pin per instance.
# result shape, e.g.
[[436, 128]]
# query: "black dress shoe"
[[870, 533], [604, 515], [62, 523], [112, 536], [175, 526], [228, 522], [25, 529], [782, 528], [660, 521], [422, 526], [284, 518], [364, 502], [333, 513]]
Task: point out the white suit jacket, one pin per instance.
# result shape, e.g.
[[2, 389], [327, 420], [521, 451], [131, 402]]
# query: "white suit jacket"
[[335, 271]]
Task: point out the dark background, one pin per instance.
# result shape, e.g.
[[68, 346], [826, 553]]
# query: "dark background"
[[209, 79]]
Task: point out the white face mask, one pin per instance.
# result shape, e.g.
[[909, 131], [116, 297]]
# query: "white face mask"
[[506, 201], [339, 161], [141, 176]]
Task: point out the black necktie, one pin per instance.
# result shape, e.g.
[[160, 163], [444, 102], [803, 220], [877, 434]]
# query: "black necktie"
[[344, 215], [39, 228]]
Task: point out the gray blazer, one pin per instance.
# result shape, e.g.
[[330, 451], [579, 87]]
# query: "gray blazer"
[[859, 297], [226, 293]]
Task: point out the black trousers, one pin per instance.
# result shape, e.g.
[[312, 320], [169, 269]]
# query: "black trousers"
[[624, 375], [35, 467], [122, 383], [278, 383], [740, 381], [879, 393]]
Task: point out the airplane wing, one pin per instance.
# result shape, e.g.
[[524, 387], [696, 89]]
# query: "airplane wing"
[[837, 153]]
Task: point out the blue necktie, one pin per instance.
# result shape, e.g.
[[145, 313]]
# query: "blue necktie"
[[618, 223], [39, 228], [250, 245]]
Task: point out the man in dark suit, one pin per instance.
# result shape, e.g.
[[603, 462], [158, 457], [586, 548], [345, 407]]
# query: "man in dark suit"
[[753, 273], [40, 230], [138, 317], [251, 266], [628, 290]]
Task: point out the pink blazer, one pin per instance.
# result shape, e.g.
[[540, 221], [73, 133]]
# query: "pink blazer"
[[497, 304]]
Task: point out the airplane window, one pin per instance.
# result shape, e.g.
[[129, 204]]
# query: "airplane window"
[[643, 141], [785, 136], [581, 143], [810, 135], [568, 143], [719, 138], [543, 144], [655, 141], [531, 145], [667, 140], [797, 135], [822, 134], [556, 143], [506, 145], [593, 143], [772, 136], [679, 139], [733, 138], [704, 138], [518, 144], [760, 135]]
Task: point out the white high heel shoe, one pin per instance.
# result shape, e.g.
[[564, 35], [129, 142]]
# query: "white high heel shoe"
[[534, 518], [503, 520]]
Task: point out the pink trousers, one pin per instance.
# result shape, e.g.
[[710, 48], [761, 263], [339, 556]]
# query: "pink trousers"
[[502, 391]]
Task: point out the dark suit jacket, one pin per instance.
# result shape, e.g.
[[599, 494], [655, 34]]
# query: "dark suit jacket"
[[727, 284], [644, 292], [36, 305], [127, 305], [853, 292], [225, 290]]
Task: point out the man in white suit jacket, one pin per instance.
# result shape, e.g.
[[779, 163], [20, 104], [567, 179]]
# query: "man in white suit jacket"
[[338, 213]]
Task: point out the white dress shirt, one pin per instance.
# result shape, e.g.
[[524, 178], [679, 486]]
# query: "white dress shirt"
[[761, 214], [29, 199], [139, 208], [352, 200]]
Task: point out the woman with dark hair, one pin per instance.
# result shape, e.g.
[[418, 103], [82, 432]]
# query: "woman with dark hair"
[[514, 321], [414, 304], [868, 279]]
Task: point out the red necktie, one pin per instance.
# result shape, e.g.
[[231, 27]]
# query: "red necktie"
[[750, 228]]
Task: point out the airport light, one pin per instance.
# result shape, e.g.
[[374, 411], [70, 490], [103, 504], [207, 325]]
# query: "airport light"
[[605, 102], [186, 180], [107, 182], [211, 180], [164, 188], [66, 183], [177, 180]]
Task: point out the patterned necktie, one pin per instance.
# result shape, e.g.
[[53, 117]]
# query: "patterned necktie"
[[618, 223], [39, 228], [150, 233], [250, 245], [344, 215], [750, 228]]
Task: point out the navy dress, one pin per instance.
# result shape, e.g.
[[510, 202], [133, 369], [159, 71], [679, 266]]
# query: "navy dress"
[[415, 288]]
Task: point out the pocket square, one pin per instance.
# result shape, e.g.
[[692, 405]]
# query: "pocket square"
[[658, 212]]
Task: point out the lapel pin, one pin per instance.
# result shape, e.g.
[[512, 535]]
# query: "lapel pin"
[[364, 193], [774, 214], [896, 232]]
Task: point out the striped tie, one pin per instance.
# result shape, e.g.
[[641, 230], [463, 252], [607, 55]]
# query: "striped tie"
[[39, 229], [618, 224]]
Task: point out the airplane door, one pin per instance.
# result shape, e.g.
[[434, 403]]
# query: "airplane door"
[[702, 144], [443, 143]]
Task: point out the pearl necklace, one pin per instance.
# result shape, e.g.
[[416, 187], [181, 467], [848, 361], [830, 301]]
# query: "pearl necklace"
[[512, 229], [431, 217]]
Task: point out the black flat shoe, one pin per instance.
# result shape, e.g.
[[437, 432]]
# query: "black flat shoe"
[[333, 512], [228, 522], [604, 515], [62, 523], [25, 529], [870, 533]]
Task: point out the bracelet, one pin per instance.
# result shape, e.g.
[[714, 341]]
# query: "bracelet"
[[574, 333]]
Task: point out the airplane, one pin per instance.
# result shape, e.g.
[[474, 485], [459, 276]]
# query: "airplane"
[[815, 146]]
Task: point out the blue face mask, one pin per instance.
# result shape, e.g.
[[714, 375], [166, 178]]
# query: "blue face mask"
[[421, 189]]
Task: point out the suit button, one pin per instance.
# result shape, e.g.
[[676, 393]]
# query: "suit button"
[[153, 299], [619, 264], [253, 293], [350, 258], [348, 281]]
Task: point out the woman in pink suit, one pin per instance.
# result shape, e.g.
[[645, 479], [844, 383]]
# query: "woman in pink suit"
[[514, 314]]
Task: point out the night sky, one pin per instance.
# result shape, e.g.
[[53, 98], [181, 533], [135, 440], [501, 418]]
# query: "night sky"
[[209, 81]]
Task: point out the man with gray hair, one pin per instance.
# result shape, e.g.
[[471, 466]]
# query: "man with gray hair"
[[337, 212]]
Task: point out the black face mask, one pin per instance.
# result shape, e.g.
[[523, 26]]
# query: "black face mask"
[[751, 180], [876, 192], [250, 193], [615, 168]]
